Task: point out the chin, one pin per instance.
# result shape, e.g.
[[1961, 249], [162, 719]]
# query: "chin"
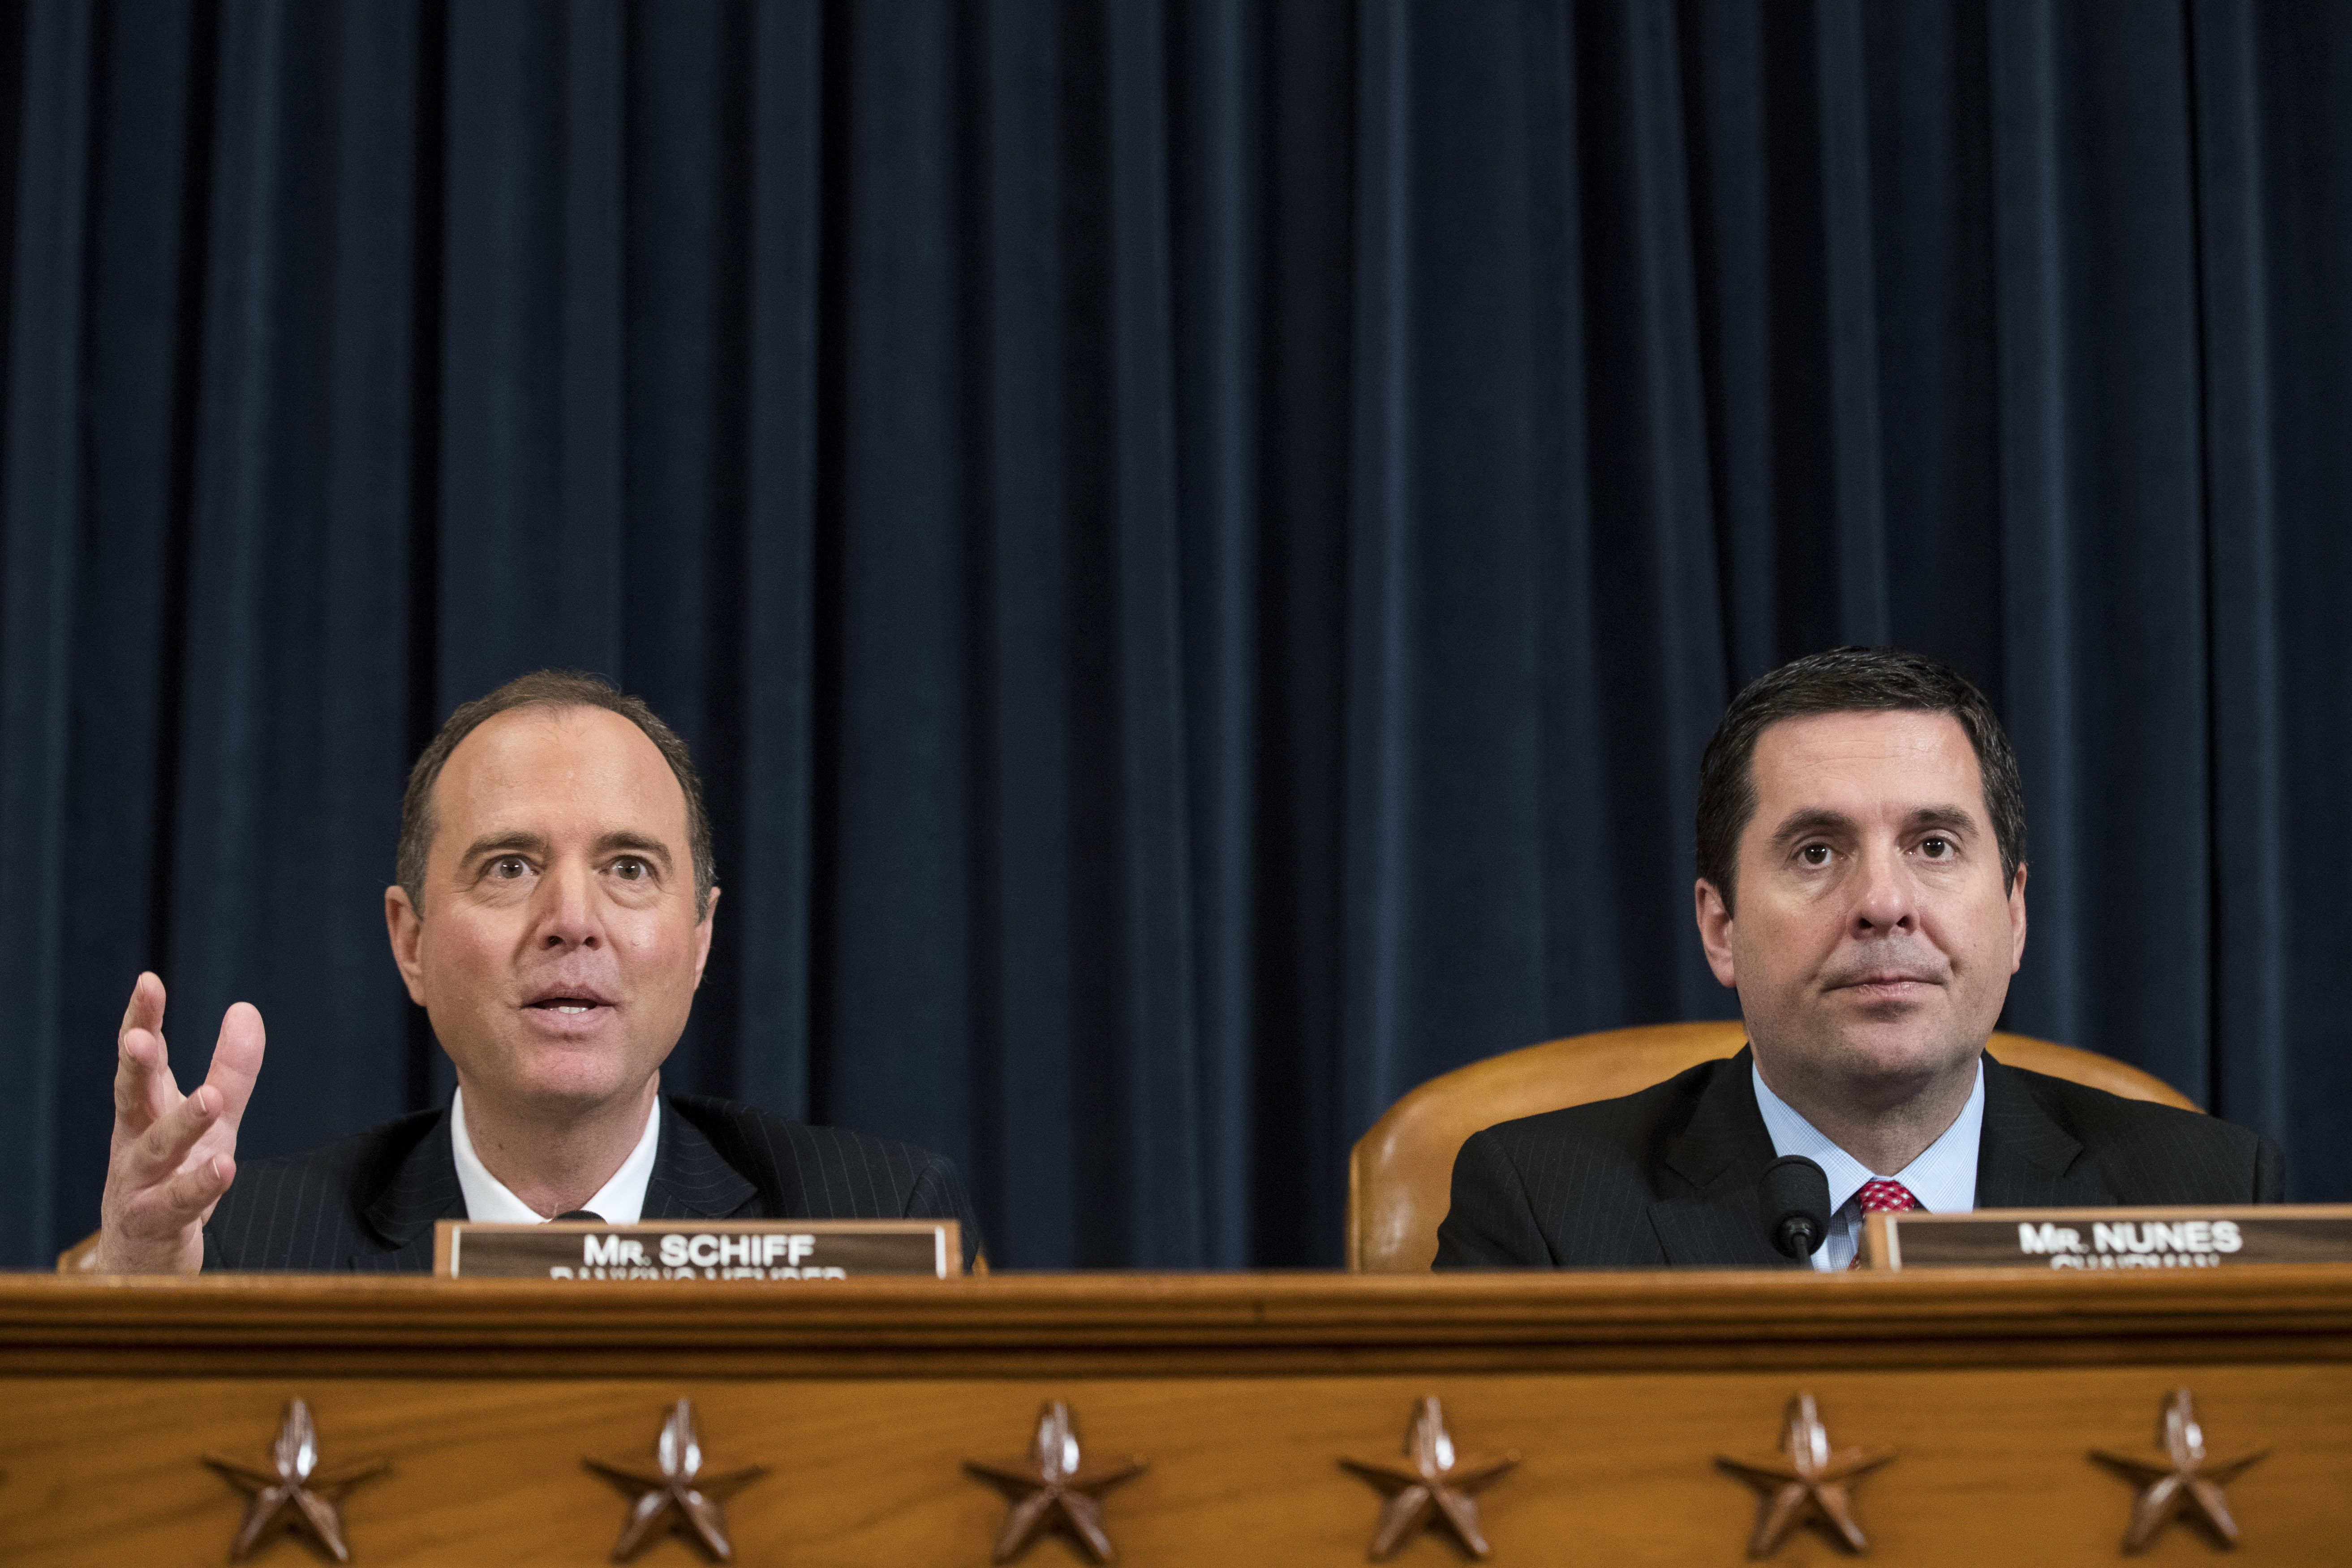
[[574, 1080], [1904, 1050]]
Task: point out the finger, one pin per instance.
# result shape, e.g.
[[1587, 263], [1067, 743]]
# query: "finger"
[[144, 1088], [158, 1153], [171, 1207], [145, 1010], [190, 1196], [236, 1060]]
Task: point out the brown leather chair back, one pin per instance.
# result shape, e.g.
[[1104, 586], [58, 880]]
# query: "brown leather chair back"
[[1401, 1175]]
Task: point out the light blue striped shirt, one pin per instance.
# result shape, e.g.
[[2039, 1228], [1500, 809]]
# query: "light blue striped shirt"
[[1943, 1178]]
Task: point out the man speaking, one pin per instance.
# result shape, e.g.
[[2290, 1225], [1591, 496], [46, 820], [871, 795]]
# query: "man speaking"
[[553, 916], [1861, 885]]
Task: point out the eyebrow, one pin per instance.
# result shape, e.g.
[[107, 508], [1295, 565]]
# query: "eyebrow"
[[1800, 824], [503, 843], [536, 844], [636, 844], [1953, 818]]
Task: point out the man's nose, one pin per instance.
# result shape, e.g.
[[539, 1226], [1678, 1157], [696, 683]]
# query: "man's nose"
[[1888, 898], [567, 913]]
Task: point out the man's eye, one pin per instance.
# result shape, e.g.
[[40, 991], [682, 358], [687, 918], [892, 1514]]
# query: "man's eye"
[[629, 868], [1815, 854], [1936, 848], [510, 866]]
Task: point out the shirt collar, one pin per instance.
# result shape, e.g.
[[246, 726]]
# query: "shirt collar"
[[621, 1201], [1943, 1178]]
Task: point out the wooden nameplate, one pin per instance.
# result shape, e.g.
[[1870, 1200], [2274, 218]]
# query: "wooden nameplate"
[[761, 1249], [2109, 1241]]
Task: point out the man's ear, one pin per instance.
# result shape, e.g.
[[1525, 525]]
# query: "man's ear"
[[406, 928], [2017, 919], [702, 937], [1715, 931]]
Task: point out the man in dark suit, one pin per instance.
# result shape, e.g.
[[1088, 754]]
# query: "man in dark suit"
[[553, 915], [1861, 885]]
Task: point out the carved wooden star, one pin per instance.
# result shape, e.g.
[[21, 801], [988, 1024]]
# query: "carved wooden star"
[[1053, 1486], [2189, 1483], [1433, 1483], [678, 1494], [1810, 1484], [294, 1493]]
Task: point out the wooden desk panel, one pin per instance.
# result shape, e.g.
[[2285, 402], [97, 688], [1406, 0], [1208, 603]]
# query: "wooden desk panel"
[[1242, 1391]]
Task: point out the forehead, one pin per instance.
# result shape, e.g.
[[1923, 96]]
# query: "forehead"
[[1864, 763], [557, 770]]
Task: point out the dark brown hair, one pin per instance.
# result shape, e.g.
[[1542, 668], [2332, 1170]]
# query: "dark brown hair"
[[547, 689], [1847, 680]]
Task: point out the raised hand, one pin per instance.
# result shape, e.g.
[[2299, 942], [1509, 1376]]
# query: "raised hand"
[[173, 1155]]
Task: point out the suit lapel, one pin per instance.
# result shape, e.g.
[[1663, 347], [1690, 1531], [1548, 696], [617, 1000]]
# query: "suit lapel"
[[690, 1178], [1720, 1154], [424, 1188], [2024, 1159], [690, 1181]]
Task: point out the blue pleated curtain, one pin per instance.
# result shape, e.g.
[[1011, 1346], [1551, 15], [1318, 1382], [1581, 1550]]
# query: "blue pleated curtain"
[[1197, 543]]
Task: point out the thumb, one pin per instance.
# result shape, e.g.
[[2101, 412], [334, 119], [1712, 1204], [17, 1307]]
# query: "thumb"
[[236, 1060]]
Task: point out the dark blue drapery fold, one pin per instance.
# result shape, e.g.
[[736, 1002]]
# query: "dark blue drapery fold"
[[1198, 543]]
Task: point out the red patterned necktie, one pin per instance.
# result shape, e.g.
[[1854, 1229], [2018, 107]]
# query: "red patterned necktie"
[[1876, 1196], [1891, 1197]]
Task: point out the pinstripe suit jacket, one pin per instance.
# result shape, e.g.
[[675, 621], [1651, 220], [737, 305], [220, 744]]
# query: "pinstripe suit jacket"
[[367, 1203], [1667, 1177]]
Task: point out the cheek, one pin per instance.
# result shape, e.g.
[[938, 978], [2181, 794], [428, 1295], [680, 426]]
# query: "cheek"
[[455, 958], [1979, 939], [1768, 939], [662, 953]]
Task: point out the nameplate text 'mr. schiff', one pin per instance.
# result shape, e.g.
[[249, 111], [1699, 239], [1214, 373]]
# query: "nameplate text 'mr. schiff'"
[[760, 1249]]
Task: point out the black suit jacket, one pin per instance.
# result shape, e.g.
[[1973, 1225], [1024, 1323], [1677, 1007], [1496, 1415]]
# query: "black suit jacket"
[[1667, 1177], [367, 1203]]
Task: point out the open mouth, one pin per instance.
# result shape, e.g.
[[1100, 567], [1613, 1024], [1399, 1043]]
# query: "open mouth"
[[566, 1005]]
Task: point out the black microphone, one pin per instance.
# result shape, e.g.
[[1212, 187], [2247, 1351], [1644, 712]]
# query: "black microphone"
[[1795, 1202], [589, 1214]]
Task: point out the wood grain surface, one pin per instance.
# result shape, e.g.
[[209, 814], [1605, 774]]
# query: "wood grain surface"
[[1241, 1391]]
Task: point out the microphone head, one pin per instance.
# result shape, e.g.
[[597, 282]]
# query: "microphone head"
[[1795, 1195]]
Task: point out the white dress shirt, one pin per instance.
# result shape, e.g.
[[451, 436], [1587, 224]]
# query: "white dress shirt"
[[621, 1201], [1943, 1178]]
